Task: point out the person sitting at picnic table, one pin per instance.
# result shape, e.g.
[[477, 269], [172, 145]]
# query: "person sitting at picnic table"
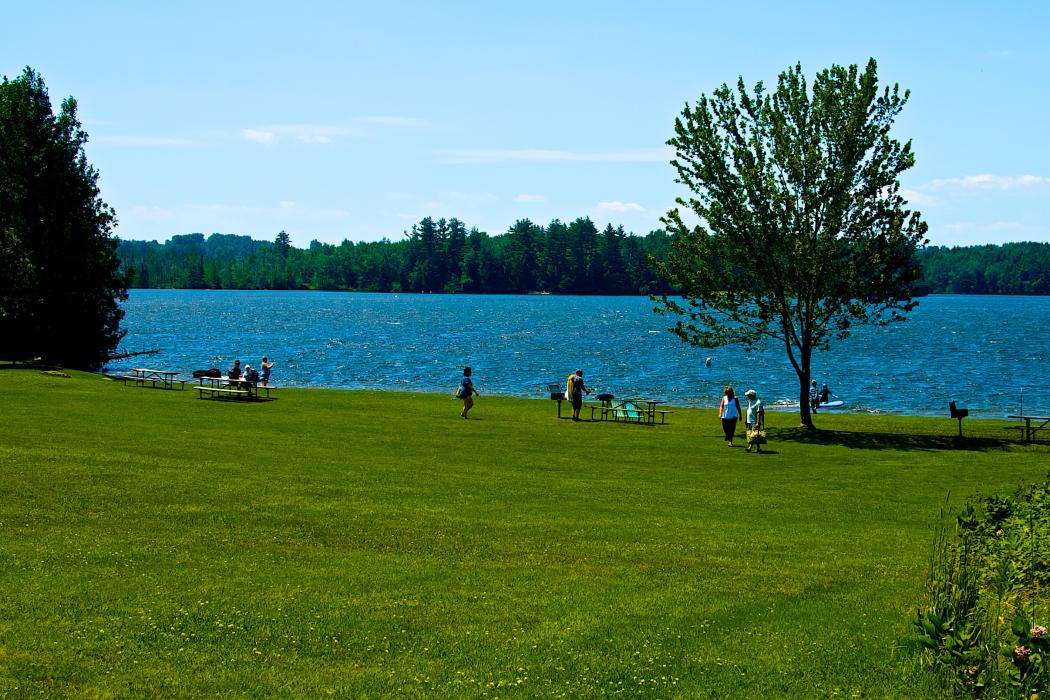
[[235, 371], [576, 391]]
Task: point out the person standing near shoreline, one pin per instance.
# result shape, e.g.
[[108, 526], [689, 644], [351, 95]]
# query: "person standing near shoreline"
[[576, 391], [467, 391], [729, 412], [266, 366]]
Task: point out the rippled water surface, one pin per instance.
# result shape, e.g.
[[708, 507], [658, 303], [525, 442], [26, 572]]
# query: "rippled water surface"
[[988, 353]]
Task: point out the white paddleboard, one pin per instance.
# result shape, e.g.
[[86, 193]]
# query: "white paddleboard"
[[832, 404]]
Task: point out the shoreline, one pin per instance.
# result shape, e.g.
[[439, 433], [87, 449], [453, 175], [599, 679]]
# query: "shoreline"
[[779, 409]]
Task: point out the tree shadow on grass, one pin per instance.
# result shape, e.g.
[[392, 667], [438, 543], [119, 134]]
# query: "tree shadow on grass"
[[893, 441], [26, 364]]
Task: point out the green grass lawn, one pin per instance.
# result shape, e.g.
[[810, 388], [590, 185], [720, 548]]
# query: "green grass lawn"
[[370, 544]]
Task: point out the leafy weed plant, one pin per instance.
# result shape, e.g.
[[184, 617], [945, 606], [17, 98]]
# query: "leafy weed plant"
[[987, 585]]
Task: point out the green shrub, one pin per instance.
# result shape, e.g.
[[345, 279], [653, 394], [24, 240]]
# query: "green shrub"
[[992, 568]]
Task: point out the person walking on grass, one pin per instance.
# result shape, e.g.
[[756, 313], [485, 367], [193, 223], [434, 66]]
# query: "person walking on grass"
[[729, 412], [755, 421], [467, 392]]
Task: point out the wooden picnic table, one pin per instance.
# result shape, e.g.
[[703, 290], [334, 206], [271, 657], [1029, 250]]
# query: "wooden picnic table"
[[651, 410], [162, 377], [633, 410], [1028, 430]]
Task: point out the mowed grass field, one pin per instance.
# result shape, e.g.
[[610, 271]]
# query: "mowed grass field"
[[369, 544]]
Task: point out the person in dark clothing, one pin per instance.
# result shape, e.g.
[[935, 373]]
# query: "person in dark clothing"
[[576, 391]]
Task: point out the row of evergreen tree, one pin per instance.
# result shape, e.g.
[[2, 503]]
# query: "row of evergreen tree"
[[443, 256], [1011, 268], [436, 256]]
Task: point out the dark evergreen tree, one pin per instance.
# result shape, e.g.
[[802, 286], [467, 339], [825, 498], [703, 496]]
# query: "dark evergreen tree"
[[522, 244], [423, 262], [613, 273], [472, 262], [63, 286], [555, 271], [455, 248], [584, 267], [282, 244]]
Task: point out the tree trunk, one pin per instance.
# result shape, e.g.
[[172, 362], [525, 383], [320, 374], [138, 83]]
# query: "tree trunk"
[[804, 373], [804, 412]]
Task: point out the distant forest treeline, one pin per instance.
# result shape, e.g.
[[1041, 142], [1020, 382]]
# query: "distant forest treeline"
[[443, 256], [1010, 268], [436, 256]]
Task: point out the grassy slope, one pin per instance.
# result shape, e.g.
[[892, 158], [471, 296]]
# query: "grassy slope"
[[371, 544]]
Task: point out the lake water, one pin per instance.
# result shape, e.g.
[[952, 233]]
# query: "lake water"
[[991, 354]]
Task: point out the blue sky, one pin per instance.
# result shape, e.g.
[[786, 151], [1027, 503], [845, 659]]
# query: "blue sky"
[[353, 121]]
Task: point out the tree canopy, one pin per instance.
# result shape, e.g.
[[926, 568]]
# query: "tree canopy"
[[61, 288], [800, 229]]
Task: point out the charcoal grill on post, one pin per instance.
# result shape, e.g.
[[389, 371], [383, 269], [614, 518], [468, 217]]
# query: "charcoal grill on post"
[[557, 392]]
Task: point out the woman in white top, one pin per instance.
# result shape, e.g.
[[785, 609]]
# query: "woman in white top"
[[729, 412]]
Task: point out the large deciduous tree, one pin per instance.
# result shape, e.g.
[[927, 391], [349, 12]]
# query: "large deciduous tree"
[[799, 231], [61, 290]]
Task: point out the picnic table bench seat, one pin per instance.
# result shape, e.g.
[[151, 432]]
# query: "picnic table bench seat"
[[663, 414], [215, 391]]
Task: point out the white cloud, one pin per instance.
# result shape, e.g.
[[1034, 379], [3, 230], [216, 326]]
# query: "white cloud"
[[990, 182], [530, 198], [472, 156], [286, 204], [302, 133], [620, 207], [918, 198], [258, 135]]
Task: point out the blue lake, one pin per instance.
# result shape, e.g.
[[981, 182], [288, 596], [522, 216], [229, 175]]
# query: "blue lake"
[[991, 354]]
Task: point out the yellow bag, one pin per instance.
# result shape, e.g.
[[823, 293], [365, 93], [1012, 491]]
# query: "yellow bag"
[[756, 437]]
